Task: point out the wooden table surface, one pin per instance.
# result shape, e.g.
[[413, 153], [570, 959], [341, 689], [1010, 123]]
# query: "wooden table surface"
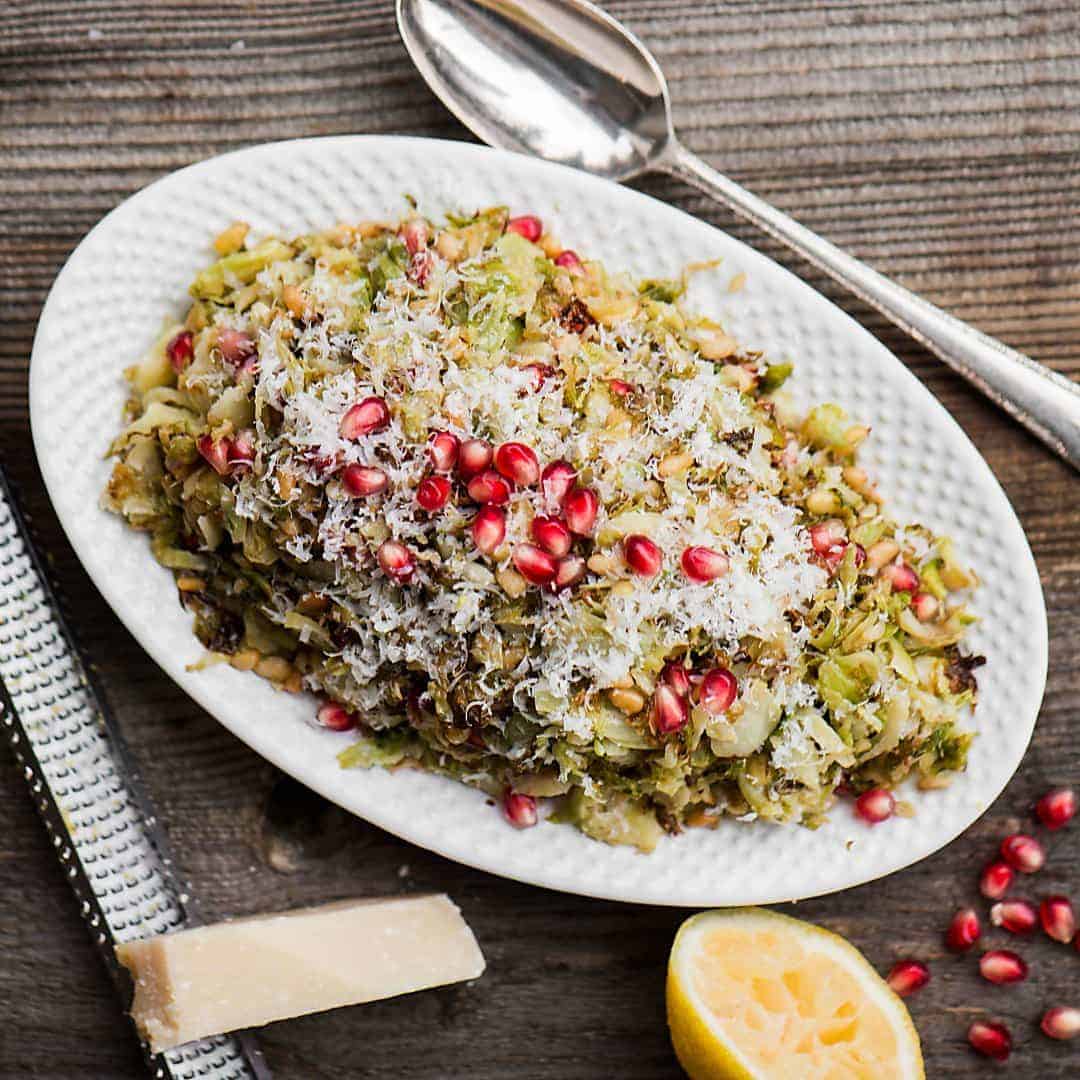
[[938, 140]]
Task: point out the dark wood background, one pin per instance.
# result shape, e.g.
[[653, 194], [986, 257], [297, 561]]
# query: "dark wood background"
[[938, 140]]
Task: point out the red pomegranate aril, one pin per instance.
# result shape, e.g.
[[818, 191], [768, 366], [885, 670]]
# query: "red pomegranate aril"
[[620, 388], [215, 452], [362, 480], [534, 565], [925, 606], [474, 456], [1023, 853], [517, 463], [875, 806], [433, 493], [335, 717], [990, 1039], [489, 529], [420, 266], [236, 346], [1058, 918], [396, 561], [414, 235], [488, 488], [1002, 966], [908, 976], [717, 691], [675, 676], [242, 449], [964, 930], [570, 571], [995, 880], [901, 577], [538, 375], [642, 556], [702, 564], [1016, 916], [1056, 807], [570, 260], [552, 535], [828, 537], [580, 508], [443, 451], [181, 350], [670, 711], [520, 810], [527, 225], [1061, 1022], [556, 481], [365, 418]]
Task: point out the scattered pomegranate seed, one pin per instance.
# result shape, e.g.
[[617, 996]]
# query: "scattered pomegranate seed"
[[556, 481], [369, 416], [642, 555], [488, 488], [1023, 853], [242, 449], [925, 606], [489, 529], [396, 561], [528, 225], [828, 539], [570, 571], [570, 260], [517, 463], [335, 717], [534, 565], [552, 535], [1056, 807], [995, 880], [1016, 916], [875, 806], [180, 350], [364, 480], [964, 930], [908, 976], [433, 493], [414, 235], [236, 346], [520, 810], [216, 453], [1058, 918], [1002, 966], [990, 1039], [443, 451], [718, 690], [675, 676], [901, 577], [420, 266], [539, 374], [670, 711], [1061, 1022], [474, 457], [860, 554], [580, 508], [620, 388], [702, 564]]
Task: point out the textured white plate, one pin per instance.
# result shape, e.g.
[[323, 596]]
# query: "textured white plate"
[[107, 305]]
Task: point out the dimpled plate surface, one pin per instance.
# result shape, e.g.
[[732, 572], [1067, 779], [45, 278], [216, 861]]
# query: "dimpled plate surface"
[[107, 306]]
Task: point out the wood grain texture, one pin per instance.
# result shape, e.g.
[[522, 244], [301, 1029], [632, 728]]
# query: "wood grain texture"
[[938, 140]]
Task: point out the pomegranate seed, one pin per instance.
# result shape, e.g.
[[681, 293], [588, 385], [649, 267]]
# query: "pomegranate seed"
[[875, 806], [908, 976], [474, 457], [580, 508], [925, 606], [622, 389], [570, 260], [335, 717], [1002, 966], [571, 570], [1056, 807], [489, 529], [242, 449], [534, 565], [990, 1039], [674, 675], [1061, 1022], [520, 810], [1023, 853], [216, 453], [180, 350], [518, 463], [1016, 916], [1058, 919], [901, 577], [718, 690], [642, 555], [552, 535], [528, 225], [556, 481], [964, 930], [369, 416], [670, 711], [396, 561], [364, 479], [702, 564], [538, 375], [860, 554], [414, 235], [236, 346], [443, 451], [432, 493], [420, 267], [995, 880], [488, 487], [827, 537]]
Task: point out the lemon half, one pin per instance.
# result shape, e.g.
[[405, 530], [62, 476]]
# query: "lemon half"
[[753, 995]]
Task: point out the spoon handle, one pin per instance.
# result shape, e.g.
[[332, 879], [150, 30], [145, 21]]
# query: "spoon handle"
[[1046, 403]]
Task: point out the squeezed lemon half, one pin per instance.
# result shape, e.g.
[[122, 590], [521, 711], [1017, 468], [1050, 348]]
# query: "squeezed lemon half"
[[753, 995]]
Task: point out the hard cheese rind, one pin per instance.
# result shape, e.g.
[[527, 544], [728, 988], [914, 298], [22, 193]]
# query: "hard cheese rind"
[[240, 974]]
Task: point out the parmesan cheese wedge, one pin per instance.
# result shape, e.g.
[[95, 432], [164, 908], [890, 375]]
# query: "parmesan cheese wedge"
[[239, 974]]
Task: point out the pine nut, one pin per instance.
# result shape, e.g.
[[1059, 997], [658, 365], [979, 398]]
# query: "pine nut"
[[602, 564], [190, 583], [629, 702], [625, 683], [623, 588], [295, 301], [822, 501], [231, 239], [513, 584], [884, 551], [674, 464], [275, 668], [294, 683], [244, 660]]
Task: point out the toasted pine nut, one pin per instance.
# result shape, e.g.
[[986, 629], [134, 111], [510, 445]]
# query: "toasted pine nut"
[[674, 464], [855, 477], [449, 246], [715, 344], [627, 701], [368, 229], [295, 301], [602, 564], [623, 588], [190, 583], [549, 245], [231, 239], [625, 683], [513, 584], [822, 501], [855, 435], [285, 484], [244, 660], [294, 683], [884, 551], [275, 668]]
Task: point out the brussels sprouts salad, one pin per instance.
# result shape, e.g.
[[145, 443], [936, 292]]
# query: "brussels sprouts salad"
[[530, 524]]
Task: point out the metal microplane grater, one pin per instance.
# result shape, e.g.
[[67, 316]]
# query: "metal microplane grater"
[[84, 783]]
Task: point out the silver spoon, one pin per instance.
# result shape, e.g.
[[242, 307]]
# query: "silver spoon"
[[563, 80]]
